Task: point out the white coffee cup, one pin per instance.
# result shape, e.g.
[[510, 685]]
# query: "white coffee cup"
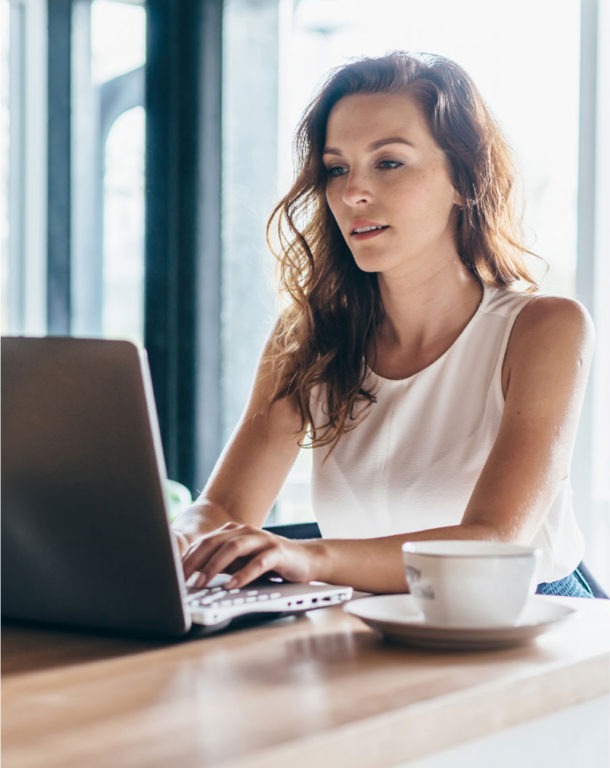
[[470, 583]]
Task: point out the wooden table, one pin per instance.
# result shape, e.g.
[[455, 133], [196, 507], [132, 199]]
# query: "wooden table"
[[322, 690]]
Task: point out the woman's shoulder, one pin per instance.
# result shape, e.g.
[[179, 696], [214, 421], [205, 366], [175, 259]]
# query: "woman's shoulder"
[[547, 324], [543, 312], [533, 309]]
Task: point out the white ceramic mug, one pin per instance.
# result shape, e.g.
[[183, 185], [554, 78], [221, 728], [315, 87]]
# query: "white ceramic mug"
[[470, 583]]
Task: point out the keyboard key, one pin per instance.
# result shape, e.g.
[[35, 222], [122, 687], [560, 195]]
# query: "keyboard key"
[[211, 598]]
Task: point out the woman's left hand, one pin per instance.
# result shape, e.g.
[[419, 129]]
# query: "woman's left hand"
[[247, 553]]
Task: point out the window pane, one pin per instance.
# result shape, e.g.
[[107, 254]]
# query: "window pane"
[[123, 277], [118, 39], [4, 162], [23, 179], [108, 181], [534, 96], [598, 554]]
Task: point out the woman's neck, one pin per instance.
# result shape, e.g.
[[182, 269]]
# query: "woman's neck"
[[424, 313]]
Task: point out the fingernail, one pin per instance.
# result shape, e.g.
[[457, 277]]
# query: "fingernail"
[[190, 579], [201, 581]]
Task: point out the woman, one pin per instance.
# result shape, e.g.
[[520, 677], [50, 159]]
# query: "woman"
[[440, 393]]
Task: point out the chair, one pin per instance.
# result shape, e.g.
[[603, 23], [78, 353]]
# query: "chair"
[[296, 530], [596, 588]]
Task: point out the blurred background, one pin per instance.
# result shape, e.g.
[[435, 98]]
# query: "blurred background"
[[144, 144]]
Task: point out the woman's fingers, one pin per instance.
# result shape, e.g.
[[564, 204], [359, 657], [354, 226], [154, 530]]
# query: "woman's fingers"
[[242, 547], [181, 542], [201, 550], [222, 551], [258, 566], [247, 553]]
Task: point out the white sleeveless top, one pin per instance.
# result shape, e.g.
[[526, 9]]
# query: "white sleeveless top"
[[413, 462]]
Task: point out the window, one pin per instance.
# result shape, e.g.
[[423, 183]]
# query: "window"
[[4, 159], [72, 199], [96, 138], [108, 179], [593, 453], [123, 228], [23, 174]]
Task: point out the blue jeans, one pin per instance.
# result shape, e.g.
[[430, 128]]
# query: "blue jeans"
[[574, 585]]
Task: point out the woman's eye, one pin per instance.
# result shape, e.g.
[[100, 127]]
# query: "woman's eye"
[[389, 164], [335, 170]]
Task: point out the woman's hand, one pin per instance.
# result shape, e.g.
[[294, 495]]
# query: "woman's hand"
[[182, 542], [247, 553]]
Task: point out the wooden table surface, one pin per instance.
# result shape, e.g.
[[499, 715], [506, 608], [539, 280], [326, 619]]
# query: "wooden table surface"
[[320, 690]]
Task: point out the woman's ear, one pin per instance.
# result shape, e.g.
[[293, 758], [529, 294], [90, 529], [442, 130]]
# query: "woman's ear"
[[458, 200]]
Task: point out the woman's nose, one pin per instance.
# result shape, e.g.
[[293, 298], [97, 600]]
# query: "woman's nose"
[[357, 188]]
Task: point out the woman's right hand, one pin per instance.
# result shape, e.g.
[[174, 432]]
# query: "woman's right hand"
[[182, 542], [248, 553]]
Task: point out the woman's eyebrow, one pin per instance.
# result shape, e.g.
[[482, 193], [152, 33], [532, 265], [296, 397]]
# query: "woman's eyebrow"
[[373, 145], [389, 140]]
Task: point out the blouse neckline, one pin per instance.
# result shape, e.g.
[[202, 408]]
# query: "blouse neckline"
[[484, 299]]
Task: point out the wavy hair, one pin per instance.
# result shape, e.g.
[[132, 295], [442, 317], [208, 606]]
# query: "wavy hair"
[[334, 309]]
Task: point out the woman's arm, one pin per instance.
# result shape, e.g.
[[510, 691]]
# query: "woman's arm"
[[251, 470], [544, 379]]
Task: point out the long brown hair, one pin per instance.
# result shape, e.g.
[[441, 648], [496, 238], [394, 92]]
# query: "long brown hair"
[[334, 308]]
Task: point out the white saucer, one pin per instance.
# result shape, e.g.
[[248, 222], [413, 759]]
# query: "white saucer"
[[397, 618]]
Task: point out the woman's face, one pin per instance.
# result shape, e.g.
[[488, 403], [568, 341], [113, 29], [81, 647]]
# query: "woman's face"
[[388, 184]]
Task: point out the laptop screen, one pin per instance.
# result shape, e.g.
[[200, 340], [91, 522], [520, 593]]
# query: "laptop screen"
[[85, 536]]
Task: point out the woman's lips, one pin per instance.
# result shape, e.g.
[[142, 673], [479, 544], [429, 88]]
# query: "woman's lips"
[[366, 233]]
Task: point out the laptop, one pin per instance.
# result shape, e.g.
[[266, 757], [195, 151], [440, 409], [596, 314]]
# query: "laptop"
[[86, 539]]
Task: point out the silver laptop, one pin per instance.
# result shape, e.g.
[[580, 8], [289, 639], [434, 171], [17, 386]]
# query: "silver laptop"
[[85, 533]]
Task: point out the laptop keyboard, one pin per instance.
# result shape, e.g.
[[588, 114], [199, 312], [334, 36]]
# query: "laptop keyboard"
[[215, 603], [218, 596]]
